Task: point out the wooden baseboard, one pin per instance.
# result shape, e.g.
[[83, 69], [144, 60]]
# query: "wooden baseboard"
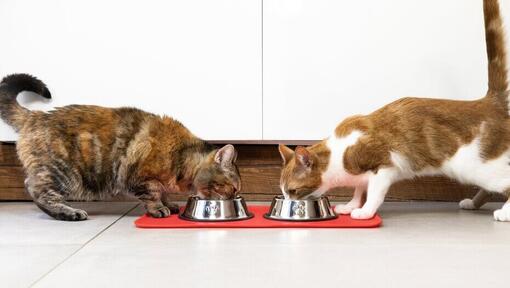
[[259, 166]]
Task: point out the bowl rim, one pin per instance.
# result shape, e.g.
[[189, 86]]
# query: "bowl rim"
[[249, 215], [282, 198], [268, 216], [197, 199]]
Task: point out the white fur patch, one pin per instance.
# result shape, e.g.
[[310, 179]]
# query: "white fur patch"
[[345, 209], [378, 185], [467, 166], [362, 214], [356, 202], [404, 166], [401, 163], [503, 214], [335, 174], [467, 204]]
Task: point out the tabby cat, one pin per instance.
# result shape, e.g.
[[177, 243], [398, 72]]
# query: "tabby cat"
[[91, 152], [466, 140]]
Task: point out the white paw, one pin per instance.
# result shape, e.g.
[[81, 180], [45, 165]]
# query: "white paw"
[[502, 214], [361, 213], [343, 209], [467, 204]]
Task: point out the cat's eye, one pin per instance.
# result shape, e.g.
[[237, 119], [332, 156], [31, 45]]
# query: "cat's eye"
[[292, 191]]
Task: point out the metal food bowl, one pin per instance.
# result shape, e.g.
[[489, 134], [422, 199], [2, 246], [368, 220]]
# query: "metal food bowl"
[[215, 210], [300, 210]]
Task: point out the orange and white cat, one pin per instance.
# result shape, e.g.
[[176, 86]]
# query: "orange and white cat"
[[466, 140]]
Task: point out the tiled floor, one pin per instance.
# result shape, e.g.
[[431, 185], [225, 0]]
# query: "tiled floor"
[[420, 245]]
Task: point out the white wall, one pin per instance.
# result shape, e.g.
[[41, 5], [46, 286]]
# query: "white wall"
[[325, 60], [203, 61], [197, 60]]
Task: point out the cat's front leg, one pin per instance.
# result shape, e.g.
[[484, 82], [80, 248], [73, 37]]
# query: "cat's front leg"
[[174, 207], [356, 202], [150, 193], [378, 185]]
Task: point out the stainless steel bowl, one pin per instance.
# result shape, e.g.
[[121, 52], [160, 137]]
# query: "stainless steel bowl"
[[215, 210], [300, 210]]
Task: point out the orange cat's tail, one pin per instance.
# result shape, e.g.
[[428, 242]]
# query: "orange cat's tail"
[[10, 111], [496, 53]]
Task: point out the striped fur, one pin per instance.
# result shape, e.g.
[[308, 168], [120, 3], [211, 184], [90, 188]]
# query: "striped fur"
[[91, 152]]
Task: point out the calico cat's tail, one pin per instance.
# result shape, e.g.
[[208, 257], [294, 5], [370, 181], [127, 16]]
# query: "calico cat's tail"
[[10, 111], [496, 53]]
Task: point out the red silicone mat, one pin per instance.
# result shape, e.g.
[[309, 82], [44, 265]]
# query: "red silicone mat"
[[258, 221]]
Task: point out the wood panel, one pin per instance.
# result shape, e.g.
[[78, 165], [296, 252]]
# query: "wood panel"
[[259, 166], [8, 155], [315, 59]]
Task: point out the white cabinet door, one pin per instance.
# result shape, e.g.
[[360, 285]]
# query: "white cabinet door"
[[327, 59], [196, 60]]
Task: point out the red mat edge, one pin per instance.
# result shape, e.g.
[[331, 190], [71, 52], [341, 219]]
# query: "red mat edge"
[[374, 222]]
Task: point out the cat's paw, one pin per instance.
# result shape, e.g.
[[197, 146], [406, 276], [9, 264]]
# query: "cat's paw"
[[159, 212], [467, 204], [361, 213], [174, 208], [72, 215], [344, 209], [502, 214]]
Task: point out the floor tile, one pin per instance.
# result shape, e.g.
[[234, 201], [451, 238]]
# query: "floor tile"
[[22, 265], [32, 243], [419, 245], [24, 223]]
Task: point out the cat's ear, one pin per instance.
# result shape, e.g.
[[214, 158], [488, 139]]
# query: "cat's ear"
[[286, 153], [226, 155], [303, 157]]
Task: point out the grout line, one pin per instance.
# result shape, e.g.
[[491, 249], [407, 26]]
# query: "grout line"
[[262, 64], [83, 246]]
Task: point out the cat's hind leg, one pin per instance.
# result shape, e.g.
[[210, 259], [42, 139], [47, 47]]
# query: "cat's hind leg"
[[49, 194], [356, 202], [478, 201]]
